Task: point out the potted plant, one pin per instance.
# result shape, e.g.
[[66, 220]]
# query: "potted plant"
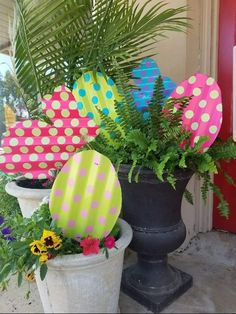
[[46, 54], [155, 155], [80, 272]]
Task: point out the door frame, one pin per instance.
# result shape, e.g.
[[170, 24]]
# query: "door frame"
[[202, 56]]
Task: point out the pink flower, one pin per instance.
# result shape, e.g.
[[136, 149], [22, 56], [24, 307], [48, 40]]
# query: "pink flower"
[[110, 242], [90, 245]]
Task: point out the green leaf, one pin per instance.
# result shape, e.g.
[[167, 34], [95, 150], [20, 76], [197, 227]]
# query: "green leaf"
[[43, 271], [188, 196], [105, 250], [172, 180], [19, 279], [5, 271]]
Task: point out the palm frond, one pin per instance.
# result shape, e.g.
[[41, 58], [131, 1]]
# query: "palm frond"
[[40, 61], [56, 41]]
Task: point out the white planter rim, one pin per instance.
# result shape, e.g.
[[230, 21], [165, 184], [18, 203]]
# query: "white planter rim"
[[75, 260], [15, 190]]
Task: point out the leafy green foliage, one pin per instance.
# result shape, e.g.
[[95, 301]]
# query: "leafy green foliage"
[[159, 141], [9, 92], [8, 204], [55, 41]]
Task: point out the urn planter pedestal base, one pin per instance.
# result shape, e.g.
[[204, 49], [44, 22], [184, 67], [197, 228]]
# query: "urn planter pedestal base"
[[153, 210], [157, 299]]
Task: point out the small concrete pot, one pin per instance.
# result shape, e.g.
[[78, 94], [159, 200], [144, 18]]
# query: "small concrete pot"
[[29, 199], [86, 284]]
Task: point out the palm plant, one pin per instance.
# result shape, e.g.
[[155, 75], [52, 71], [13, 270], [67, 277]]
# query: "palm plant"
[[55, 41]]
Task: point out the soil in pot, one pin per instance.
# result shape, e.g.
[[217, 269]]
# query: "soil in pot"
[[34, 183]]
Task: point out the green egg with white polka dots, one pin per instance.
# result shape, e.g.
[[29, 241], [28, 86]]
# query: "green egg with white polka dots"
[[86, 196], [93, 90]]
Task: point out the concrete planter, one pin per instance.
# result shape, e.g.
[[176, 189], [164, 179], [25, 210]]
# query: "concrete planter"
[[29, 199], [86, 284]]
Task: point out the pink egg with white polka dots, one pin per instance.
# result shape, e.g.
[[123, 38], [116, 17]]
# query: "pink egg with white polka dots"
[[203, 115]]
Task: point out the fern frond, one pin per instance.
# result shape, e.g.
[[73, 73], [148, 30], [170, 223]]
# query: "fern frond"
[[137, 138], [188, 196], [127, 111], [155, 107], [132, 169], [223, 205], [172, 180], [205, 186], [137, 174], [223, 150], [110, 126], [159, 167], [229, 179]]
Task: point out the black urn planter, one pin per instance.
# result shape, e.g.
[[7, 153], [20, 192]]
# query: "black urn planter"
[[153, 209]]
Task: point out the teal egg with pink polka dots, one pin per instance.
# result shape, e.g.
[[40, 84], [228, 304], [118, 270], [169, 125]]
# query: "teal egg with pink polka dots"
[[93, 90], [86, 196]]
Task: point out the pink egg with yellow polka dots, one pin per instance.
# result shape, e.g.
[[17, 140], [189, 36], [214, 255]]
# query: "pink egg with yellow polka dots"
[[203, 115]]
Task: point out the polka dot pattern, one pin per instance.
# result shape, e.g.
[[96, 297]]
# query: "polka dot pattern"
[[91, 208], [34, 148], [203, 115], [93, 90], [144, 78]]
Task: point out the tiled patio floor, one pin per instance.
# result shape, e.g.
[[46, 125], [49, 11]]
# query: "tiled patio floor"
[[210, 259]]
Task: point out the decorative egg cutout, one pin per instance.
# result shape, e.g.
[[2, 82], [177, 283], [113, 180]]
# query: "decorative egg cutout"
[[145, 76], [203, 115], [33, 148], [86, 196], [93, 90]]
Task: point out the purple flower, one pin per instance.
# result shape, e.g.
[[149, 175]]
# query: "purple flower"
[[1, 220], [6, 231], [9, 238]]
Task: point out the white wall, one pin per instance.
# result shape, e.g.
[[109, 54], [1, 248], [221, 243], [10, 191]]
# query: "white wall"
[[170, 53]]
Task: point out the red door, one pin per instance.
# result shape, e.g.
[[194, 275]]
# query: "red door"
[[227, 40]]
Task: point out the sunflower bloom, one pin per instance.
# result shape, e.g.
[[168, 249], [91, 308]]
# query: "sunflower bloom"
[[51, 240], [43, 258], [37, 247], [30, 276]]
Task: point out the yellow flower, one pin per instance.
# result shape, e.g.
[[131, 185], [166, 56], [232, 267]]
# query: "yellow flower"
[[57, 243], [30, 276], [51, 240], [38, 247], [43, 258]]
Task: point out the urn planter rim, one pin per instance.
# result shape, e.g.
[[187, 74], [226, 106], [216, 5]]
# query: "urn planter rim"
[[148, 175], [69, 261]]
